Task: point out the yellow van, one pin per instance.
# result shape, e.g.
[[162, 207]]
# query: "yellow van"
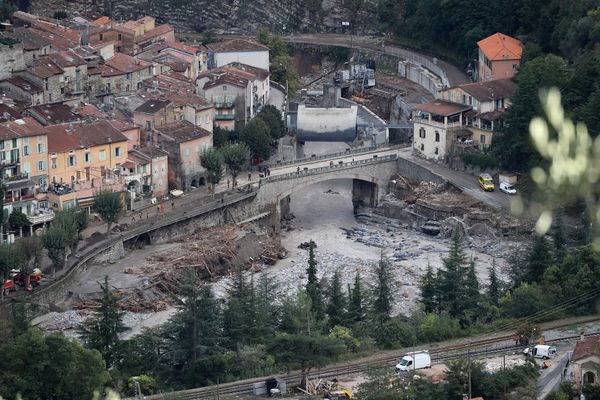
[[486, 182]]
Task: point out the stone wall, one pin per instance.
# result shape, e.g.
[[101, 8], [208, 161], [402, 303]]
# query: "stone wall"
[[227, 16], [416, 172]]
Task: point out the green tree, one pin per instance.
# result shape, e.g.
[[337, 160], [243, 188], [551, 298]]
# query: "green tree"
[[395, 333], [108, 205], [68, 221], [273, 118], [10, 258], [212, 160], [305, 351], [356, 306], [194, 335], [452, 279], [336, 307], [382, 294], [17, 221], [524, 300], [428, 291], [56, 240], [257, 136], [493, 290], [539, 259], [30, 255], [236, 156], [103, 330], [240, 313], [313, 286], [380, 384], [471, 302]]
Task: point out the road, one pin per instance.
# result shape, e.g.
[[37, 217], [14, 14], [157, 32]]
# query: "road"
[[462, 180], [455, 76]]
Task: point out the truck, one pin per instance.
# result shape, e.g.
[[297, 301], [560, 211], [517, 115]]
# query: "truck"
[[541, 351], [414, 360], [20, 277]]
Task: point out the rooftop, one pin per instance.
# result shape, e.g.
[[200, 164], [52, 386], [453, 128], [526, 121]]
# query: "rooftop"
[[152, 106], [587, 347], [24, 127], [45, 68], [236, 45], [175, 63], [170, 82], [51, 27], [258, 72], [151, 34], [103, 20], [30, 38], [441, 107], [501, 47], [24, 84], [8, 113], [52, 113], [68, 58], [73, 136], [190, 99], [489, 90], [122, 63], [182, 131]]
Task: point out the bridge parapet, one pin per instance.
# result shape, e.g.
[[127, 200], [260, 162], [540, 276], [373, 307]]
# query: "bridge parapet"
[[361, 150]]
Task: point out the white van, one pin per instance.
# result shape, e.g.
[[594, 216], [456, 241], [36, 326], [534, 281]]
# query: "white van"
[[542, 351], [416, 360]]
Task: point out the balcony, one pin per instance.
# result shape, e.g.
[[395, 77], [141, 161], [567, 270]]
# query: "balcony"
[[225, 104], [16, 178], [10, 199], [41, 216], [437, 124], [224, 117]]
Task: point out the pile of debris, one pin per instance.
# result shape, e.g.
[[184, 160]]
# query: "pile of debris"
[[326, 389]]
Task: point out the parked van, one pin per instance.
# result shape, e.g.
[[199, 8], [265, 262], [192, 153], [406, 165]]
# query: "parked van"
[[416, 360], [486, 182], [542, 351]]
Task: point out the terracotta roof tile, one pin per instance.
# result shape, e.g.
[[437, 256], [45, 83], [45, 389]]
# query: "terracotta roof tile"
[[67, 137], [103, 20], [45, 68], [125, 63], [489, 90], [152, 106], [24, 127], [30, 38], [441, 107], [24, 84], [151, 34], [260, 73], [68, 58], [72, 35], [585, 348], [52, 113], [190, 99], [236, 45], [182, 131], [501, 47]]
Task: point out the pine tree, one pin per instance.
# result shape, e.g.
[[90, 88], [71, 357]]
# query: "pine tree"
[[452, 278], [195, 331], [336, 308], [494, 285], [382, 304], [103, 330], [313, 288], [539, 260], [356, 312], [428, 291], [470, 295], [267, 309], [559, 238], [239, 316]]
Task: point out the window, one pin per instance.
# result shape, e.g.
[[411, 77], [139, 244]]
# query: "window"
[[589, 378], [41, 165], [437, 136], [422, 133], [46, 83], [49, 95], [482, 139], [53, 163], [148, 125], [206, 119], [101, 37], [72, 160], [464, 99], [515, 67], [42, 181], [87, 157], [14, 143], [26, 168], [436, 151], [422, 147], [224, 87], [129, 75], [25, 150], [120, 37], [117, 152], [40, 148]]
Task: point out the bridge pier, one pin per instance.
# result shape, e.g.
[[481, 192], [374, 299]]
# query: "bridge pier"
[[364, 193]]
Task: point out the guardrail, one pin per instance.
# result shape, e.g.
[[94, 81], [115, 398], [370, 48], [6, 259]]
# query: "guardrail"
[[336, 166], [348, 152]]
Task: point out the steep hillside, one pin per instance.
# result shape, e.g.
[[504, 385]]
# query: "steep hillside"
[[228, 16]]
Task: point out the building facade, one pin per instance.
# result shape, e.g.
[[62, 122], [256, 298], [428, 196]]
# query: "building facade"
[[499, 57]]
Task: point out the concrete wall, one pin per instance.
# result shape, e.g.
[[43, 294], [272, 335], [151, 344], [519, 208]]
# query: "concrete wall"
[[258, 59], [421, 76], [11, 59], [327, 124], [416, 172]]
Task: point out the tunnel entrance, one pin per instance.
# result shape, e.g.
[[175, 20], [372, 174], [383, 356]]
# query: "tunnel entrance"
[[364, 194]]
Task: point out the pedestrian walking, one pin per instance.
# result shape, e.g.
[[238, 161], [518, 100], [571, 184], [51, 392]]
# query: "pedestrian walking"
[[133, 218], [158, 208], [249, 176], [227, 183], [162, 208], [268, 172], [147, 215], [172, 203], [298, 170]]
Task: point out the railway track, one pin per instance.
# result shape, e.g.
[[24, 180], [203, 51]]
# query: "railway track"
[[482, 347]]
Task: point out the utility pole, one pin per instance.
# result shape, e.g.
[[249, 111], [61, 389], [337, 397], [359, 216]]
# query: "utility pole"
[[469, 366]]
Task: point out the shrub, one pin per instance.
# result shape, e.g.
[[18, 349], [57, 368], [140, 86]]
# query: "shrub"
[[478, 159]]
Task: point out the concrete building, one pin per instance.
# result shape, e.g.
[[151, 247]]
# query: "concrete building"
[[238, 50], [196, 109], [499, 57], [79, 152], [123, 73], [489, 101], [586, 362], [22, 89], [184, 141], [438, 127], [326, 124]]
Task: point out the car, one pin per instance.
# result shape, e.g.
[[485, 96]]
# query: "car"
[[507, 188], [486, 182]]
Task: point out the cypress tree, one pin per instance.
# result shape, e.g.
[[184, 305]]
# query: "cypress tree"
[[428, 291], [494, 285], [356, 311], [382, 304], [336, 308], [539, 259], [452, 278], [313, 287], [103, 330]]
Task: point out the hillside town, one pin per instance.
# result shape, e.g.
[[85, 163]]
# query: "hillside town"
[[276, 212]]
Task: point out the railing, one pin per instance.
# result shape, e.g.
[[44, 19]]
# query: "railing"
[[335, 167], [438, 124], [16, 177], [45, 216], [338, 154]]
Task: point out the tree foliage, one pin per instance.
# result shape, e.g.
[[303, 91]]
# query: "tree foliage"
[[382, 292], [257, 136], [17, 220], [313, 286], [356, 301], [56, 240], [108, 205], [212, 160], [273, 119], [235, 156], [336, 306]]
